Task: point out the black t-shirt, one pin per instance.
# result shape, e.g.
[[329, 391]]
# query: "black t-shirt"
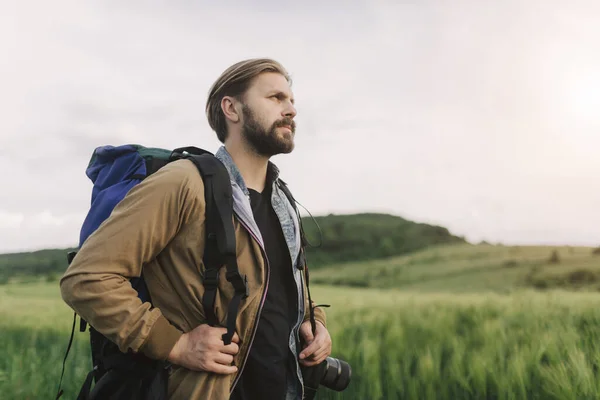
[[270, 361]]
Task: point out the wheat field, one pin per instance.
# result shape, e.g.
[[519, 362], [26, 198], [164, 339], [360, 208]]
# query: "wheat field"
[[400, 344]]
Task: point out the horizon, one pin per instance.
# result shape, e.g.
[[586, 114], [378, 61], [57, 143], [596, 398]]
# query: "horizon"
[[467, 242]]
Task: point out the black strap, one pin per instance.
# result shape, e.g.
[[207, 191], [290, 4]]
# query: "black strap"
[[220, 245], [110, 382], [84, 393], [178, 152], [82, 325], [70, 256], [60, 391], [212, 258], [223, 199]]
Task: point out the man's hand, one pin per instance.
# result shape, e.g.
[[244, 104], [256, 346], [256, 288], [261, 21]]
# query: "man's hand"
[[317, 348], [203, 349]]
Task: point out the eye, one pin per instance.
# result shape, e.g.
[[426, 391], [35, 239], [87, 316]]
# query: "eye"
[[279, 96]]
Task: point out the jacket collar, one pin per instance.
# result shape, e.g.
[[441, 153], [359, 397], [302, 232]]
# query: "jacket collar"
[[236, 176]]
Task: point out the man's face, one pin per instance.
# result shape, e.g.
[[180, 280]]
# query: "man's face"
[[268, 114]]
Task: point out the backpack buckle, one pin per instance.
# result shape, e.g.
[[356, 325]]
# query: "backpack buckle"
[[211, 277], [239, 284]]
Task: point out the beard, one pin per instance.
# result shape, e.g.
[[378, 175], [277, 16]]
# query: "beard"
[[267, 142]]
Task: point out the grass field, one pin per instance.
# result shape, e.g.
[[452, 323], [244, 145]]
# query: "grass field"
[[421, 342], [460, 268]]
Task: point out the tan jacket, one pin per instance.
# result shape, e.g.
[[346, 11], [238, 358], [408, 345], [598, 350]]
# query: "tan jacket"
[[159, 227]]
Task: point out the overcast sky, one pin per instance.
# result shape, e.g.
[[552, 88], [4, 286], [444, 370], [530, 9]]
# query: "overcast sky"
[[481, 116]]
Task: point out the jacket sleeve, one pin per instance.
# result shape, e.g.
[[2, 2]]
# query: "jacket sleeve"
[[96, 284], [319, 315]]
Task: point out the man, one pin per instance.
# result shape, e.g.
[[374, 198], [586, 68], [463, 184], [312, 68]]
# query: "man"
[[159, 227]]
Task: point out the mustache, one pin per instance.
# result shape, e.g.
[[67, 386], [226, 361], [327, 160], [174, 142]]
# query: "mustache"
[[286, 122]]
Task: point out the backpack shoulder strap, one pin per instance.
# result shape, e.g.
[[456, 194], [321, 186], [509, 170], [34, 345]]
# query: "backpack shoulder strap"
[[220, 246]]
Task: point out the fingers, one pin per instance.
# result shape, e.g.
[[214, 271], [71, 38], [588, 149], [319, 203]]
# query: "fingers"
[[316, 358], [221, 369], [231, 348], [306, 332], [216, 335], [321, 354], [307, 352], [318, 350], [222, 358], [222, 331], [308, 363]]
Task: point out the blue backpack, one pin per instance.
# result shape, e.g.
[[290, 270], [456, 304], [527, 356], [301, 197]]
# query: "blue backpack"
[[114, 171]]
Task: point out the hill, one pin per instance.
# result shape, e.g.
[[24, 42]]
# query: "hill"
[[360, 237], [48, 263], [464, 268], [344, 238]]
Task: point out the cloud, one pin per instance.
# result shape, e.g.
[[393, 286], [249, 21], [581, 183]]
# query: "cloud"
[[11, 220], [20, 232]]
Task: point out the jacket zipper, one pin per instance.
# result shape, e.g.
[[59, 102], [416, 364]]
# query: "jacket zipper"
[[262, 302]]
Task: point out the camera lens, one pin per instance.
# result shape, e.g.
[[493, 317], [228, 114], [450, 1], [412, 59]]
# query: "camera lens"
[[337, 374]]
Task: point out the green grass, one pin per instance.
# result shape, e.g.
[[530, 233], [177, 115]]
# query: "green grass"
[[31, 363], [525, 345], [35, 327], [464, 325], [460, 268]]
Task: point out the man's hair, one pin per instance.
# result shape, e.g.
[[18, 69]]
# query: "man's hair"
[[234, 81]]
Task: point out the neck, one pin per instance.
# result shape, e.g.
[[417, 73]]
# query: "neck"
[[252, 166]]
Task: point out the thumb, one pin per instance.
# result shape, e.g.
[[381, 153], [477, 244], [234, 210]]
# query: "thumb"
[[306, 332]]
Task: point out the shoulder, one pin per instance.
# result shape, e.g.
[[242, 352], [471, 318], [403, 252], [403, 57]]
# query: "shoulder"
[[183, 171], [178, 177]]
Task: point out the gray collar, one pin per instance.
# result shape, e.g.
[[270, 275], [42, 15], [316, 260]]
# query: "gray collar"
[[223, 155]]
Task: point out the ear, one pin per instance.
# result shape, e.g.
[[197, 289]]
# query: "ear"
[[231, 109]]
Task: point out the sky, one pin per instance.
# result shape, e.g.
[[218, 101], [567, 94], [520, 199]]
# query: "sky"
[[480, 116]]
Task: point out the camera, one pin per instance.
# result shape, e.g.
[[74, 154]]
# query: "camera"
[[332, 373]]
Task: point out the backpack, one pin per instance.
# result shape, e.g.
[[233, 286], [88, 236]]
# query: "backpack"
[[114, 171]]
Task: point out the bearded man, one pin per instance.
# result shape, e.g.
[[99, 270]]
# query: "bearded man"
[[159, 228]]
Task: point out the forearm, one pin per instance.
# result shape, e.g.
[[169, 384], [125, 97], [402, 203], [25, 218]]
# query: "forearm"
[[112, 307]]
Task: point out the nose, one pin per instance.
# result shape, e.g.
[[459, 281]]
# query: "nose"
[[290, 110]]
